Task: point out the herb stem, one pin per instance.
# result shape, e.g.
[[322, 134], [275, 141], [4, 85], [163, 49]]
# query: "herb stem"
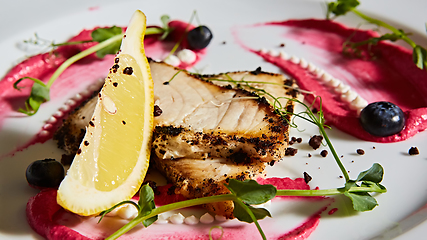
[[154, 30], [251, 214], [170, 207], [385, 25], [81, 55], [325, 192], [334, 153]]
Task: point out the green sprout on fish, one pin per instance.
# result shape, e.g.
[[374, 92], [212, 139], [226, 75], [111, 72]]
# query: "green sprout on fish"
[[247, 194], [342, 7]]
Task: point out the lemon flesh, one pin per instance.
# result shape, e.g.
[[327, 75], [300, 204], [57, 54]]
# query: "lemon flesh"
[[113, 158]]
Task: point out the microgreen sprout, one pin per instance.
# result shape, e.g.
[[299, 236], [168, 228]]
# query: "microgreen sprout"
[[342, 7], [247, 194]]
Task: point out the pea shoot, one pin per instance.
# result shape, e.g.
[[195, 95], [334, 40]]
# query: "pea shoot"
[[342, 7]]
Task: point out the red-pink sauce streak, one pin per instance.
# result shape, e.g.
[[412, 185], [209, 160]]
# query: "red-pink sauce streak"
[[392, 76], [48, 219], [332, 211]]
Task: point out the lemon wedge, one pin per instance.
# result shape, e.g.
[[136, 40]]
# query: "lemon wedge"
[[113, 157]]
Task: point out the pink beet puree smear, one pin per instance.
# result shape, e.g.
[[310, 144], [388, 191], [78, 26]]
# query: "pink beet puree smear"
[[390, 76], [49, 220]]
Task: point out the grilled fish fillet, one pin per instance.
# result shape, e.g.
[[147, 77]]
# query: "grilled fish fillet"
[[200, 119], [205, 133]]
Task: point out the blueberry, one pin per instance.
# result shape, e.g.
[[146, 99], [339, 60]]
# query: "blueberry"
[[199, 37], [47, 173], [382, 119]]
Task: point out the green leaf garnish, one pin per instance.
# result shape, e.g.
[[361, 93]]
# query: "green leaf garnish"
[[102, 34], [373, 174], [243, 215], [251, 192], [146, 203], [39, 94], [342, 7], [362, 201]]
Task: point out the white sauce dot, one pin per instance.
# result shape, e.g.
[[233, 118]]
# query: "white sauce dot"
[[51, 120], [85, 92], [108, 105], [273, 53], [70, 102], [319, 73], [172, 60], [311, 67], [358, 103], [263, 50], [303, 63], [334, 82], [78, 97], [206, 218], [283, 55], [349, 96], [326, 77], [187, 56], [191, 220], [177, 218], [220, 218], [342, 88], [295, 60], [162, 219], [64, 108], [58, 114], [127, 212], [43, 133], [47, 126]]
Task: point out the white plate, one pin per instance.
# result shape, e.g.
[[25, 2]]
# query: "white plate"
[[401, 208]]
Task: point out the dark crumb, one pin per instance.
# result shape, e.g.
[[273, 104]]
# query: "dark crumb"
[[315, 141], [341, 177], [299, 140], [224, 42], [282, 45], [171, 190], [360, 151], [324, 153], [307, 178], [291, 151], [306, 163], [153, 185], [292, 141], [272, 163], [257, 71], [413, 151], [352, 161], [166, 83], [309, 155], [342, 156], [157, 111], [373, 147], [128, 70]]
